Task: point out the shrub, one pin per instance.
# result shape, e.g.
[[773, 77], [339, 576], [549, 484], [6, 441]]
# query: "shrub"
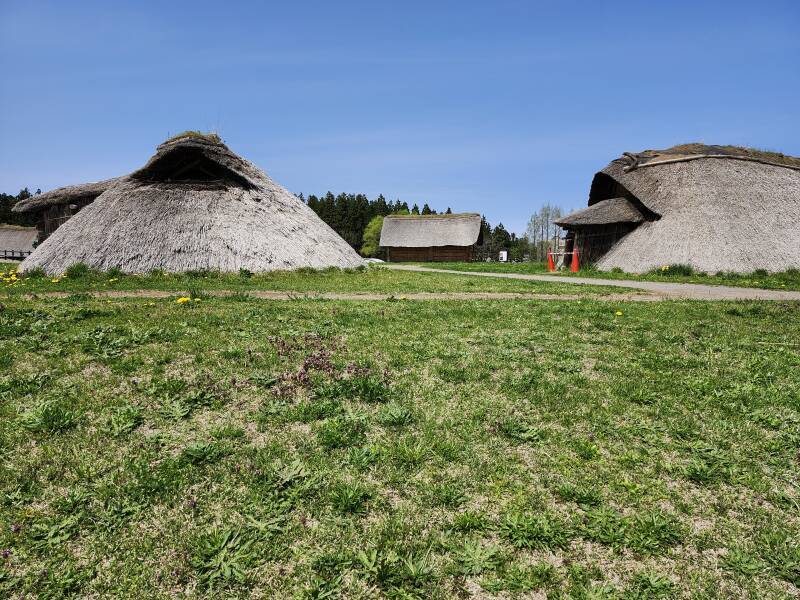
[[77, 271]]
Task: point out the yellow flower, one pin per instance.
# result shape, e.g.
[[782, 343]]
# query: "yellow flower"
[[618, 313], [55, 280], [182, 299], [665, 268], [112, 280]]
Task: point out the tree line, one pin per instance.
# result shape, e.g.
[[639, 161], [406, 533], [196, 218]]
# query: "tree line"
[[350, 214], [359, 220], [7, 202]]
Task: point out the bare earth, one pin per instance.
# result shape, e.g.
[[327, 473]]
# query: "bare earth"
[[675, 291]]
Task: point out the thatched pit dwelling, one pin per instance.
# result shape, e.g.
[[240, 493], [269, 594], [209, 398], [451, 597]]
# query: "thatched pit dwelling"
[[715, 208], [431, 238], [195, 205]]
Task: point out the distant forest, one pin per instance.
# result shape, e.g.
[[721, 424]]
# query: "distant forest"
[[7, 202], [349, 214]]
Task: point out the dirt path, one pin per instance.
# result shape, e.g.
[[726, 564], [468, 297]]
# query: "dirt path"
[[275, 295], [675, 291]]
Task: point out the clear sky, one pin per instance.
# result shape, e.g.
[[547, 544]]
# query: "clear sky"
[[494, 106]]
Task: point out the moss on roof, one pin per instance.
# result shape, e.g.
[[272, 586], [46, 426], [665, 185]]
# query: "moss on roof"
[[696, 148], [209, 137]]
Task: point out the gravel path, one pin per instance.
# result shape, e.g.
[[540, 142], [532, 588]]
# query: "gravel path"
[[282, 295], [680, 291]]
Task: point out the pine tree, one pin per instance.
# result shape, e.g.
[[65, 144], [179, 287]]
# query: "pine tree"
[[426, 210]]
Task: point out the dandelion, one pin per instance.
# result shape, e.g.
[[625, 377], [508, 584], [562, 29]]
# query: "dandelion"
[[618, 313], [665, 268], [112, 280], [55, 280], [183, 300]]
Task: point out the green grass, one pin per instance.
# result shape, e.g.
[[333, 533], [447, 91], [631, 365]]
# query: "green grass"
[[786, 280], [238, 447], [374, 279]]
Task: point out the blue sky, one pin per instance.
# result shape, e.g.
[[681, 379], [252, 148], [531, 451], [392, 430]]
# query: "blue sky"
[[496, 107]]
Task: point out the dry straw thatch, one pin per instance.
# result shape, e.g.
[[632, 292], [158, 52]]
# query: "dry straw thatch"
[[195, 205], [15, 238], [605, 212], [716, 208], [63, 195], [424, 231]]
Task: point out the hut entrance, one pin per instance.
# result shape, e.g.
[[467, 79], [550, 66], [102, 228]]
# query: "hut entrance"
[[594, 242]]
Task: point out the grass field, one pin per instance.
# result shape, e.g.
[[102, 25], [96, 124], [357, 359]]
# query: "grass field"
[[786, 280], [366, 280], [308, 448]]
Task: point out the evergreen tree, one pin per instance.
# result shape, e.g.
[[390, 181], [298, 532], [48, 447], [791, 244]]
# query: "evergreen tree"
[[415, 210], [448, 211], [426, 210]]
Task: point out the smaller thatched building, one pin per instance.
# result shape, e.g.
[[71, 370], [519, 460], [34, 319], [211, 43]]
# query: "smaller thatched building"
[[431, 238], [17, 242]]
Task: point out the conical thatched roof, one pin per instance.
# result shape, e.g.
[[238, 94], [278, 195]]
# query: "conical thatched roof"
[[731, 209], [195, 205], [422, 231]]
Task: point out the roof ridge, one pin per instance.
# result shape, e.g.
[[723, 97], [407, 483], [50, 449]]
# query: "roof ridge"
[[633, 160], [436, 216]]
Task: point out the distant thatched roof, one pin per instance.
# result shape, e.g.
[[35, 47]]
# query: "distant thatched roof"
[[64, 195], [194, 205], [16, 238], [713, 214], [417, 231], [613, 210]]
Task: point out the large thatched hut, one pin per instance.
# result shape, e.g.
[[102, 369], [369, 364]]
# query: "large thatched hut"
[[427, 238], [195, 205], [716, 208]]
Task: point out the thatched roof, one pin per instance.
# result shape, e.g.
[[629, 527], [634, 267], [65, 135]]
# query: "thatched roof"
[[17, 238], [194, 205], [65, 195], [422, 231], [605, 212], [714, 214], [692, 151]]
